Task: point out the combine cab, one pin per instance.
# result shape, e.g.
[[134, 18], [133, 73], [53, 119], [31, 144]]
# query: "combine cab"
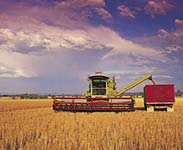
[[101, 96]]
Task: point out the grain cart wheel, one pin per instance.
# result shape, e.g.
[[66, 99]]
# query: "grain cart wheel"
[[150, 109], [170, 109]]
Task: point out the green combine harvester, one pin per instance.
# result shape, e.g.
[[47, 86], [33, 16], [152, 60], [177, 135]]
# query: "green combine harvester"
[[101, 96]]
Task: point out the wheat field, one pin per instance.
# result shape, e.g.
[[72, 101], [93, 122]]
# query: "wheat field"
[[33, 125]]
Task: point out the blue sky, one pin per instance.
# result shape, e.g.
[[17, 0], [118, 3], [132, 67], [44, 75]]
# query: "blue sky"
[[51, 46]]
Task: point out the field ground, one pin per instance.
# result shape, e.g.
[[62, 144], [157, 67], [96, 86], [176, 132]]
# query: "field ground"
[[32, 124]]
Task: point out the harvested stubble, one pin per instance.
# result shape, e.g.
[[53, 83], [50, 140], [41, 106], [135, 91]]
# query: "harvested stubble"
[[42, 128]]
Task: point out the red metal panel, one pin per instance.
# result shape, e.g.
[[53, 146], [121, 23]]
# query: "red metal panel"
[[92, 103], [159, 93], [96, 109], [120, 104], [96, 98]]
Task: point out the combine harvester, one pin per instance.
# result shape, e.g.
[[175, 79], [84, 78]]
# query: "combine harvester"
[[102, 96]]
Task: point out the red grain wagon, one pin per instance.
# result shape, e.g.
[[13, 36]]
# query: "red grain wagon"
[[159, 97]]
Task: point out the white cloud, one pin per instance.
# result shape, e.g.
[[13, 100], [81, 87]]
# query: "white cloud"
[[163, 76], [87, 7], [13, 73], [179, 24], [103, 13], [125, 11], [58, 42], [29, 45], [15, 65], [158, 7], [173, 39], [47, 38], [80, 3]]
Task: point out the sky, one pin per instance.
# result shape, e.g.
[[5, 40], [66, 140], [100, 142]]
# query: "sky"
[[52, 46]]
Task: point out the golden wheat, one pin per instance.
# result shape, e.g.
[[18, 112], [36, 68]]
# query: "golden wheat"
[[9, 105], [43, 129]]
